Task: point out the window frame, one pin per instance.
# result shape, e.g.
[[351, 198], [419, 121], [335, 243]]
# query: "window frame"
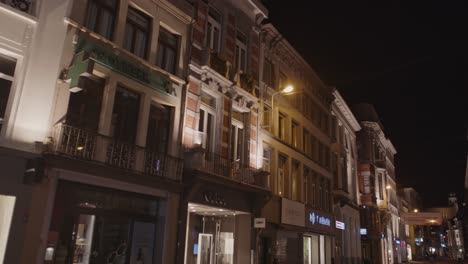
[[137, 28], [167, 45], [210, 33], [101, 4], [238, 55], [11, 79]]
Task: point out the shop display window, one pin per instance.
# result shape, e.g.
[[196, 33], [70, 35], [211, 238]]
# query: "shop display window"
[[92, 225]]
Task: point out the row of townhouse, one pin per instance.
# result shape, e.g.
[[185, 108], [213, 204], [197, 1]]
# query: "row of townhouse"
[[161, 131]]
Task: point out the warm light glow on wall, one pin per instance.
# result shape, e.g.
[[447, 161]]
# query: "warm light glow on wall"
[[7, 203]]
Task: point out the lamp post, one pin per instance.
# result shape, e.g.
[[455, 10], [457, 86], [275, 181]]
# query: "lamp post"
[[287, 90]]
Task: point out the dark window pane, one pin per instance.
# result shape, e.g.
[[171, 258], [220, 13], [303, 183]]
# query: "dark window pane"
[[125, 115], [7, 65], [137, 32], [158, 128], [84, 107], [100, 17]]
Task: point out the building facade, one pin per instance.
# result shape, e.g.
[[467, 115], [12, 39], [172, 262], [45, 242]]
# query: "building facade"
[[294, 144], [345, 188], [377, 189], [101, 114], [27, 64], [224, 190]]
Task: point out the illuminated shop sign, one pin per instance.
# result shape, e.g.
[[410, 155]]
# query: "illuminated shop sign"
[[340, 225], [318, 219], [363, 231]]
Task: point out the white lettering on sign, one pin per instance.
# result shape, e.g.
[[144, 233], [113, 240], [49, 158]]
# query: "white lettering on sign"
[[340, 225], [322, 220]]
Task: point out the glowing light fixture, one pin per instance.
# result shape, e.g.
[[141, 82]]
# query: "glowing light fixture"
[[79, 148], [288, 89], [415, 210], [388, 187]]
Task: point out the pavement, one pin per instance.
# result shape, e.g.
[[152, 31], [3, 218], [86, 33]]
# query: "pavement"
[[438, 261]]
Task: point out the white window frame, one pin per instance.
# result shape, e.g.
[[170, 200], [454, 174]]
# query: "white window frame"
[[211, 38], [10, 78], [208, 111], [237, 126], [241, 46]]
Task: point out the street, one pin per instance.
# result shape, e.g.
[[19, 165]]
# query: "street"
[[438, 261]]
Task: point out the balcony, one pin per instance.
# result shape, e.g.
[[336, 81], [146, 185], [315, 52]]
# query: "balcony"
[[217, 63], [89, 146], [247, 82], [218, 166], [21, 5]]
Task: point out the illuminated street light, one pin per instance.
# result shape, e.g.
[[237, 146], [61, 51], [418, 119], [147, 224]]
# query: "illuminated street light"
[[286, 90], [415, 210], [388, 187]]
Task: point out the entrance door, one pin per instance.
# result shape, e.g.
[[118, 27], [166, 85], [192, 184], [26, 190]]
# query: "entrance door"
[[205, 248], [265, 251]]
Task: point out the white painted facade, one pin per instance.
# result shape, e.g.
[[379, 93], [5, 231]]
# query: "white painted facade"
[[346, 207]]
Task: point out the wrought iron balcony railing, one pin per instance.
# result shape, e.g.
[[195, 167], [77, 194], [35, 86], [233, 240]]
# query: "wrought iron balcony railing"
[[87, 145], [22, 5], [214, 164]]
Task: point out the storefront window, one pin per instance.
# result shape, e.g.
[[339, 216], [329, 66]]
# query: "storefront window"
[[92, 225], [7, 204], [212, 234], [317, 249]]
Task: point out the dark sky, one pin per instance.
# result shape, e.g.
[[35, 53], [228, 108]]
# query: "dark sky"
[[409, 59]]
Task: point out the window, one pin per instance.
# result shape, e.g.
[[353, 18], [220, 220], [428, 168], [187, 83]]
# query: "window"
[[125, 115], [213, 31], [166, 57], [267, 154], [335, 169], [313, 190], [268, 73], [282, 160], [295, 134], [327, 195], [314, 143], [241, 52], [305, 184], [283, 81], [84, 107], [320, 194], [266, 118], [327, 156], [344, 173], [333, 128], [381, 186], [282, 126], [7, 71], [237, 139], [157, 138], [137, 32], [101, 16], [306, 146], [205, 125], [320, 154], [295, 184]]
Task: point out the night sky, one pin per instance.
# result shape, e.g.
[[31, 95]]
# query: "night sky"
[[409, 59]]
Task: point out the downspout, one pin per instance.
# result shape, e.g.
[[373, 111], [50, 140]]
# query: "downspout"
[[180, 251]]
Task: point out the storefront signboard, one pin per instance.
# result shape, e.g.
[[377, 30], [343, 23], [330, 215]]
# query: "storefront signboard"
[[259, 223], [292, 213], [340, 225], [317, 219]]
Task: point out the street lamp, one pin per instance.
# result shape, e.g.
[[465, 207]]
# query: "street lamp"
[[388, 187], [286, 90], [415, 210]]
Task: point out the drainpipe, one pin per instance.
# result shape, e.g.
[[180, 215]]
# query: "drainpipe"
[[182, 214]]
